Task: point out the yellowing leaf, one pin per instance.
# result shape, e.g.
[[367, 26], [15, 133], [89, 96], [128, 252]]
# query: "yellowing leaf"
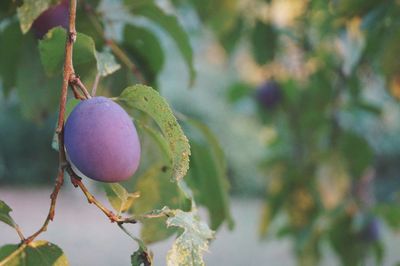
[[37, 253], [29, 11], [119, 198]]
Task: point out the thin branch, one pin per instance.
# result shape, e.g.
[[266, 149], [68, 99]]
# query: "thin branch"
[[77, 93], [19, 232], [77, 182], [75, 81], [68, 72], [129, 234], [95, 84]]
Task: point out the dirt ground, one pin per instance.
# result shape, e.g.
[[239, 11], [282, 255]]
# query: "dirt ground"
[[88, 238]]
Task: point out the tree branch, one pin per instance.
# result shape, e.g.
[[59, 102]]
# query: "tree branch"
[[67, 74], [77, 182]]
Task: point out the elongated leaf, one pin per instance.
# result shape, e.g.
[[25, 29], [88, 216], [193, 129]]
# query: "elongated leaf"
[[149, 101], [5, 214], [264, 42], [208, 174], [29, 11], [145, 49], [11, 40], [188, 248], [52, 49], [170, 24], [39, 95], [37, 253], [119, 198]]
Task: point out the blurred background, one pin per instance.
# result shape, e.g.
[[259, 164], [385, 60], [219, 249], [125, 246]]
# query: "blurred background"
[[302, 97]]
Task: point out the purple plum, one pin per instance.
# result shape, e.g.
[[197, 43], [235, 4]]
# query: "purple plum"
[[101, 140], [55, 16], [269, 94], [371, 231]]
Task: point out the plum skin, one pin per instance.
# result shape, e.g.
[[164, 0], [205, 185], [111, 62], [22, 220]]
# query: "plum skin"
[[55, 16], [101, 140], [269, 94]]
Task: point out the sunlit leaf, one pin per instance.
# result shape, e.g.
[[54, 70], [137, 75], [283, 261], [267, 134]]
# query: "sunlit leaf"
[[30, 10], [37, 253], [149, 101], [189, 247], [156, 191], [120, 199]]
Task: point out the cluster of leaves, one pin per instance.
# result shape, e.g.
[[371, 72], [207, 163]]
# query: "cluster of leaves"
[[163, 200], [318, 170]]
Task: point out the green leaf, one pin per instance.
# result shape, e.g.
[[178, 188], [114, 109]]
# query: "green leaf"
[[208, 174], [145, 49], [40, 252], [149, 101], [5, 214], [11, 41], [156, 192], [38, 94], [264, 42], [141, 257], [357, 152], [106, 63], [188, 248], [170, 24], [119, 198], [29, 11], [52, 49]]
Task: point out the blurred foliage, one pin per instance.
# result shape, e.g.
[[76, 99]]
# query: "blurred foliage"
[[325, 177]]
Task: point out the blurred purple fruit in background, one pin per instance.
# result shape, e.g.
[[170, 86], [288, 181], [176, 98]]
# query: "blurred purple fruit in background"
[[101, 140], [372, 230], [269, 94], [55, 16]]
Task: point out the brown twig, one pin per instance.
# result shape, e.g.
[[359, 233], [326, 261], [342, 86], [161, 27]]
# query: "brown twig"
[[77, 182], [19, 232], [75, 81], [68, 72]]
